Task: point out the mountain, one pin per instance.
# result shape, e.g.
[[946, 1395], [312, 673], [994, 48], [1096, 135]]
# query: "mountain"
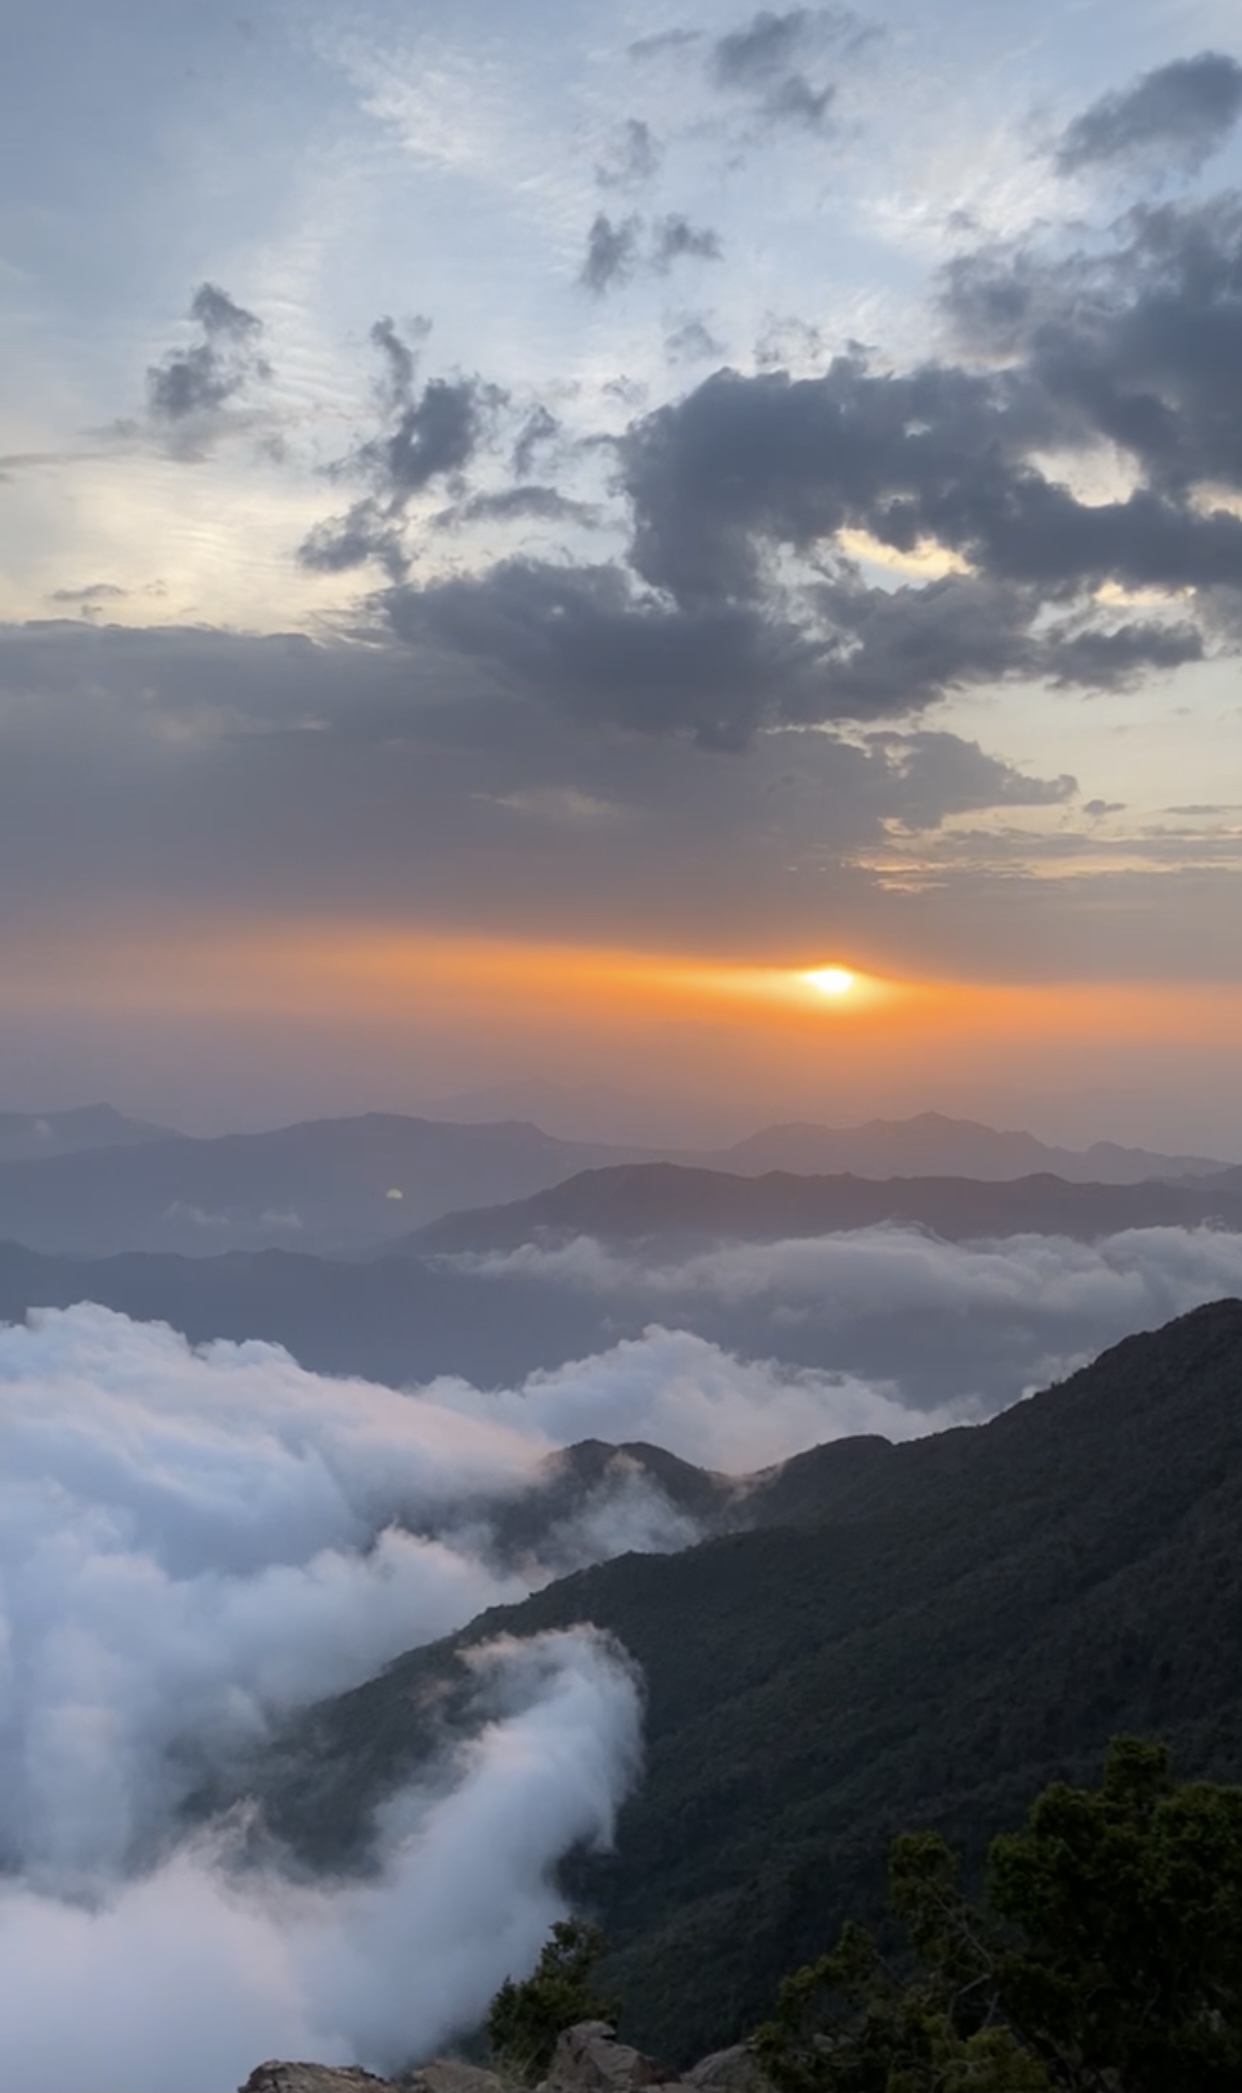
[[592, 1112], [330, 1185], [670, 1203], [931, 1145], [342, 1187], [33, 1136], [921, 1635]]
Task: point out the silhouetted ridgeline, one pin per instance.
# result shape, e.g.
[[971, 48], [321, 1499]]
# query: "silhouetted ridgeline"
[[669, 1202]]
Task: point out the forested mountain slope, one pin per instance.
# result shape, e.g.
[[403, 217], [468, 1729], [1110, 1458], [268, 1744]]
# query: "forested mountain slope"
[[927, 1638]]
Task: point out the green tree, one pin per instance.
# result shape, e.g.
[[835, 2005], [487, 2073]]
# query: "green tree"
[[1106, 1956], [524, 2019]]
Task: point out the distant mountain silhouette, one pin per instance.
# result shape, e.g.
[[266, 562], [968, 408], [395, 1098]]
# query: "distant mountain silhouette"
[[97, 1183], [922, 1634], [592, 1112], [33, 1136], [931, 1145], [330, 1185], [668, 1202]]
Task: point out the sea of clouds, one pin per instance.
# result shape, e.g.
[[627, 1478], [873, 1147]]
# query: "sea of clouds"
[[932, 1325], [195, 1543]]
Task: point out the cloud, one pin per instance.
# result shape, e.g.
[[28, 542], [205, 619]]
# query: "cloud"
[[616, 253], [663, 42], [189, 1973], [1176, 115], [750, 56], [188, 390], [126, 754], [676, 1390], [949, 1329], [426, 434], [612, 252], [598, 648], [761, 61], [196, 1543], [199, 1541], [540, 427], [521, 504], [589, 642], [1138, 345], [674, 239], [634, 158], [865, 539], [91, 598], [692, 341]]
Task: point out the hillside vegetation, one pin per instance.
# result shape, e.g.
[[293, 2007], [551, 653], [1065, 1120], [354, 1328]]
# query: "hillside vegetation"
[[925, 1641]]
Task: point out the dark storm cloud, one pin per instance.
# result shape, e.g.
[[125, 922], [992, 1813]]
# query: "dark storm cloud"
[[196, 382], [746, 465], [1139, 345], [1179, 114], [584, 640], [426, 434], [407, 779], [612, 252], [435, 434], [743, 462], [780, 527], [634, 157], [1109, 659]]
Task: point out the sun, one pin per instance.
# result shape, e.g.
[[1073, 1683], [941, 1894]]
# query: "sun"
[[830, 981]]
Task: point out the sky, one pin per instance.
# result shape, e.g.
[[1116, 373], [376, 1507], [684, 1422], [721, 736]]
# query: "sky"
[[525, 533]]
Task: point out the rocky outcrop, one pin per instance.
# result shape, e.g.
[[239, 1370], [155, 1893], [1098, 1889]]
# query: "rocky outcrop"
[[735, 2070], [278, 2077], [450, 2075], [587, 2059]]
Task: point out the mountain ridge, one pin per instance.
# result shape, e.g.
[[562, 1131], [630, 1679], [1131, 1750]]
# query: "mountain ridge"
[[345, 1186], [969, 1616], [634, 1202]]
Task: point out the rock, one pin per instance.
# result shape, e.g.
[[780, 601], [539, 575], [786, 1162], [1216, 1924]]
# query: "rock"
[[589, 2059], [450, 2075], [277, 2077], [733, 2070]]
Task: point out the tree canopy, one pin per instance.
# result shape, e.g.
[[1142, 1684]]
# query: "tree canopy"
[[524, 2019], [1105, 1955]]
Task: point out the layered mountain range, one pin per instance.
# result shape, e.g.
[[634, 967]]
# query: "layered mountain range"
[[91, 1183]]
